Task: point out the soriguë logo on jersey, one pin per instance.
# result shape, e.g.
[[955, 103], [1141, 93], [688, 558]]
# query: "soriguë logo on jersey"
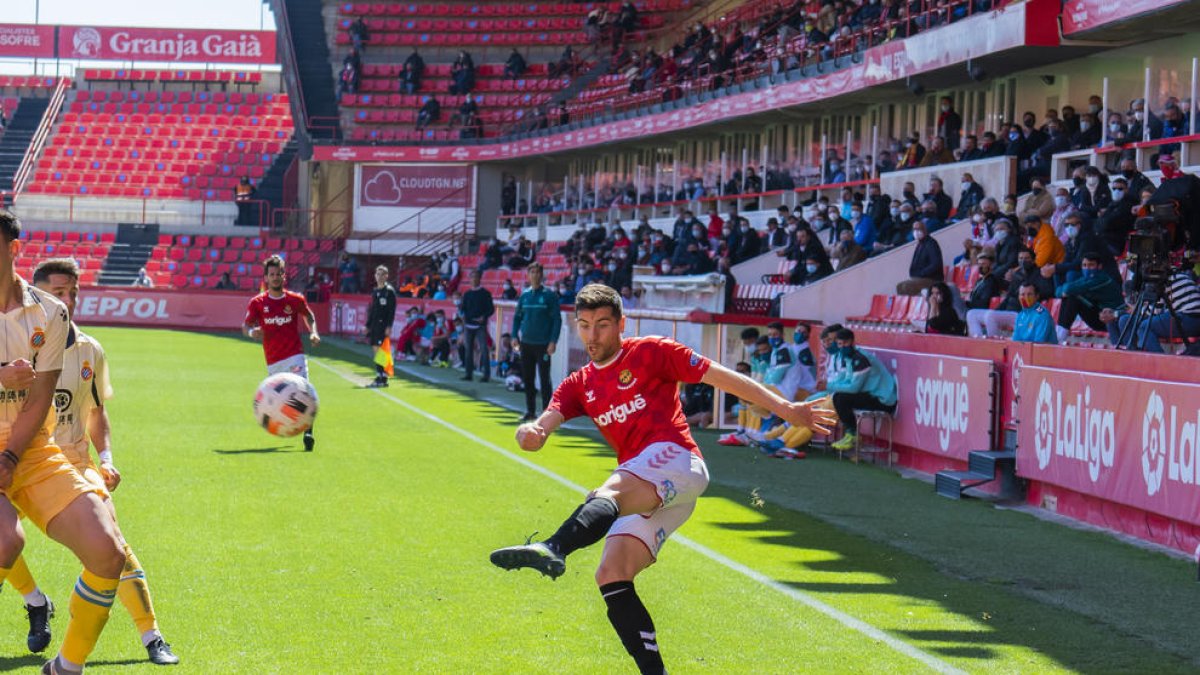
[[1126, 440]]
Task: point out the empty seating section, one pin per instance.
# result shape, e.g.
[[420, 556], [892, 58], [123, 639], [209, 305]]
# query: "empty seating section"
[[198, 261], [14, 83], [554, 265], [88, 249], [486, 23], [207, 77], [162, 145]]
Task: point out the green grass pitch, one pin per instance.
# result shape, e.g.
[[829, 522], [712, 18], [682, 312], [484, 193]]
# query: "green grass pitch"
[[370, 554]]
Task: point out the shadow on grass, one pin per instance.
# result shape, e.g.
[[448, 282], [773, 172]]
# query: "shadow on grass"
[[1002, 619], [10, 663], [258, 451]]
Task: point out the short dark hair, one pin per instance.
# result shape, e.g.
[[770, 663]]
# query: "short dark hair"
[[845, 334], [831, 329], [273, 261], [46, 268], [762, 340], [595, 296], [1032, 285], [750, 333], [1091, 255], [776, 325], [534, 265], [10, 227]]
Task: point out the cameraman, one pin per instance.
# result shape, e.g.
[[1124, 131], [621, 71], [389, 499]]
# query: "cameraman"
[[1184, 296]]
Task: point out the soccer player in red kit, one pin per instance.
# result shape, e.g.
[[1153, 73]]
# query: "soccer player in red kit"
[[274, 316], [630, 390]]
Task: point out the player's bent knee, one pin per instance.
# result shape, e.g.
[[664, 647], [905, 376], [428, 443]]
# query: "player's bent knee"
[[12, 542], [609, 573]]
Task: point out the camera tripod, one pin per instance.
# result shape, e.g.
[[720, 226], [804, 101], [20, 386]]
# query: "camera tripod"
[[1148, 296]]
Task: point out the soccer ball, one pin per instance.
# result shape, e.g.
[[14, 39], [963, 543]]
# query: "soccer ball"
[[285, 404]]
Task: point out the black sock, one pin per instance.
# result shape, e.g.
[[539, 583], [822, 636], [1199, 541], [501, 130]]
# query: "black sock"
[[379, 373], [633, 625], [586, 526]]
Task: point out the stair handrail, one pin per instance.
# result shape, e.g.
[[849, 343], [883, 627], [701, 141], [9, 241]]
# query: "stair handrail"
[[451, 234], [25, 170]]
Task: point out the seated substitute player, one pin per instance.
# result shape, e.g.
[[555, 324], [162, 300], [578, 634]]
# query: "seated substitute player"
[[83, 387], [274, 316], [630, 390], [35, 476]]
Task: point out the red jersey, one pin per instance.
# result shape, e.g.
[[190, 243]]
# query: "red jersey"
[[279, 319], [634, 399]]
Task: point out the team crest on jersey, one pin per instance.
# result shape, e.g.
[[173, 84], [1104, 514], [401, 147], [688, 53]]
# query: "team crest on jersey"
[[287, 309], [85, 372], [626, 379], [38, 338]]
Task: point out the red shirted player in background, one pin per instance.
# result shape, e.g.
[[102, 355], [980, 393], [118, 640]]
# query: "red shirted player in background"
[[630, 390], [274, 316]]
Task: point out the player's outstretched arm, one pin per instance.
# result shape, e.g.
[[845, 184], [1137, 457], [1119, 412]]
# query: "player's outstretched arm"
[[531, 436], [806, 414]]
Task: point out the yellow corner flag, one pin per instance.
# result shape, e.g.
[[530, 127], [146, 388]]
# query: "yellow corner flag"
[[383, 357]]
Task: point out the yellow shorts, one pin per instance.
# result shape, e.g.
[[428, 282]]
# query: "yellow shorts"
[[45, 483], [92, 475]]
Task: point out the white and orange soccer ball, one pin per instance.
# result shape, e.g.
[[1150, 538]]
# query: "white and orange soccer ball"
[[285, 404]]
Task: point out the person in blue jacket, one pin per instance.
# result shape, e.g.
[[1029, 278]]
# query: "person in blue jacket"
[[867, 385], [1034, 322]]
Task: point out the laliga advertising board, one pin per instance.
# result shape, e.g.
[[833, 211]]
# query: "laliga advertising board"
[[1122, 439]]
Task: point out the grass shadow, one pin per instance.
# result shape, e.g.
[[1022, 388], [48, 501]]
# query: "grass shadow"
[[9, 663], [258, 451]]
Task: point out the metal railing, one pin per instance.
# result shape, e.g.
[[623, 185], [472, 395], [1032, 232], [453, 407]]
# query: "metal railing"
[[25, 170]]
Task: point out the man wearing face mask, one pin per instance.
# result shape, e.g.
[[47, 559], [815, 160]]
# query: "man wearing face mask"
[[1089, 133], [868, 386], [864, 227], [949, 123], [1094, 196], [1047, 247], [914, 153], [987, 287], [776, 237], [1000, 321], [1040, 202], [1080, 241], [1016, 145], [970, 196], [901, 232], [1034, 323], [927, 264], [1137, 129], [749, 242], [1087, 296], [847, 251], [816, 266], [940, 199]]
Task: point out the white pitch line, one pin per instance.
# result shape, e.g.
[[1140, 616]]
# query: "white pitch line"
[[841, 617]]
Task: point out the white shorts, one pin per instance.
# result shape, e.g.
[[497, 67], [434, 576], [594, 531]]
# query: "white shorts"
[[680, 477], [297, 365]]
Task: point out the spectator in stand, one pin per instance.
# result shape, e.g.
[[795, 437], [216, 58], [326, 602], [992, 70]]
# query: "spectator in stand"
[[515, 66], [1007, 246], [1040, 203], [564, 66], [987, 286], [692, 261], [776, 238], [1137, 130], [991, 146], [929, 216], [753, 183], [885, 163], [225, 283], [926, 267], [537, 323], [1085, 297], [1034, 323], [999, 321], [868, 385], [970, 150], [949, 124], [1080, 241], [938, 153], [913, 155], [462, 74], [472, 127], [3, 119], [847, 251], [1089, 133], [943, 318], [411, 73], [1184, 297], [628, 299], [940, 199], [1047, 247], [508, 292], [477, 309], [1114, 225], [359, 36], [1118, 131], [864, 228], [749, 242], [1063, 207], [1094, 196], [348, 80], [814, 267], [349, 274], [834, 172], [467, 107], [970, 196], [429, 113]]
